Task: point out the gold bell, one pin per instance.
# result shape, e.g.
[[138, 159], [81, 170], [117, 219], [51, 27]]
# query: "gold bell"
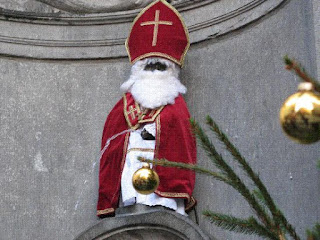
[[145, 180], [300, 115]]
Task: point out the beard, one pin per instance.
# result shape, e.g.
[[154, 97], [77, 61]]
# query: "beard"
[[153, 89]]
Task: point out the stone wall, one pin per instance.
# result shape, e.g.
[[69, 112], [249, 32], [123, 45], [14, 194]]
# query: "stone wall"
[[56, 95]]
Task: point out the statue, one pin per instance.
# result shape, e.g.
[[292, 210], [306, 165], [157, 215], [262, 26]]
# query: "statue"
[[152, 119]]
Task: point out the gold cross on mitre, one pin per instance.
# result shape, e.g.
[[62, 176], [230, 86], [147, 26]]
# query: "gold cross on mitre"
[[156, 24]]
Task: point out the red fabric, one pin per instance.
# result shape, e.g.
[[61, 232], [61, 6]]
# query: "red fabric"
[[176, 143], [172, 40], [111, 161]]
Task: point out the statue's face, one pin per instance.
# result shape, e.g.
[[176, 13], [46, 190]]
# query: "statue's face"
[[151, 66], [155, 65]]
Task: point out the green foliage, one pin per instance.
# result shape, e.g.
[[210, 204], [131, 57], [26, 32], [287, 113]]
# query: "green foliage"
[[314, 234], [226, 170], [259, 196], [246, 226], [257, 199], [287, 60]]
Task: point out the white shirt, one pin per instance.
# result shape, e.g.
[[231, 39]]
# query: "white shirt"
[[138, 147]]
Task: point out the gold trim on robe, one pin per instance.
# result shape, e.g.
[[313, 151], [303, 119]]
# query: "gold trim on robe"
[[135, 117]]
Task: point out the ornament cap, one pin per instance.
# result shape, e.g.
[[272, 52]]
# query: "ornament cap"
[[306, 86], [146, 165]]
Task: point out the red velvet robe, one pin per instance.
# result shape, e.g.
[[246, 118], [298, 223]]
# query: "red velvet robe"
[[174, 141]]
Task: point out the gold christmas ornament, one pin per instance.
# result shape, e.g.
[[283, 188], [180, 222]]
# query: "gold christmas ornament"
[[145, 180], [300, 115]]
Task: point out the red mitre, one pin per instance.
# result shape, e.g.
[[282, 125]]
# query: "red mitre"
[[158, 31]]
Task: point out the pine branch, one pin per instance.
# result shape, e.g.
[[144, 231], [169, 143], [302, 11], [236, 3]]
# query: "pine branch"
[[271, 228], [314, 234], [278, 217], [284, 223], [209, 148], [243, 163], [301, 72], [245, 226], [196, 168], [226, 169], [260, 196]]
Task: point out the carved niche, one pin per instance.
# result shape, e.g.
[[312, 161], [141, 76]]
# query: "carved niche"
[[99, 6], [80, 29]]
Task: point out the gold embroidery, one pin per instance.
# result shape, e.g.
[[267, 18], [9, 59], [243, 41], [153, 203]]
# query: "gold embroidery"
[[125, 147], [105, 211], [141, 150], [152, 113], [124, 153], [132, 111], [191, 202], [153, 117], [125, 104], [125, 110], [141, 115], [173, 195], [158, 131], [158, 54], [139, 112], [156, 24], [178, 61]]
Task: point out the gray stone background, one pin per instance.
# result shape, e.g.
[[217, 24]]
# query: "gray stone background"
[[52, 113]]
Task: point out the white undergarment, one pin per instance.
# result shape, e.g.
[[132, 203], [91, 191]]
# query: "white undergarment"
[[129, 195]]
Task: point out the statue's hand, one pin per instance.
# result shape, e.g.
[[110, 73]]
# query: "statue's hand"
[[146, 135]]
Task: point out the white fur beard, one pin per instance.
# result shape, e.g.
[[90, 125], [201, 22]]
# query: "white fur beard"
[[152, 89]]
